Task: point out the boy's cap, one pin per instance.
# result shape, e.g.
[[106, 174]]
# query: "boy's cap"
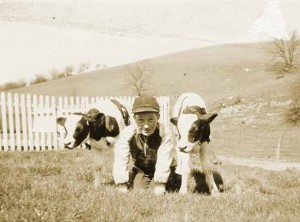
[[145, 103]]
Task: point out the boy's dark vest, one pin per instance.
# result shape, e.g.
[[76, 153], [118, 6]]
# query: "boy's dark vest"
[[144, 152]]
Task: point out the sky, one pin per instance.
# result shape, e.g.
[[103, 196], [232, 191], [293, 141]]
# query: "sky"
[[38, 40]]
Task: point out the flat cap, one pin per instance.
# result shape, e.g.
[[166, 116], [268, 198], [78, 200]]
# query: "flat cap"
[[145, 103]]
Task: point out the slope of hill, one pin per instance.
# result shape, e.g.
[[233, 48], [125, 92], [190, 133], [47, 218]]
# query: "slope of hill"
[[217, 72]]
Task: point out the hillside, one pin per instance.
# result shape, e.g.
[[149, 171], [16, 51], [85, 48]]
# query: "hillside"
[[217, 72]]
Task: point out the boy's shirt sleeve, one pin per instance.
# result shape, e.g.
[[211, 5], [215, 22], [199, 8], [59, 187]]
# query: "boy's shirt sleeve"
[[121, 156], [164, 157]]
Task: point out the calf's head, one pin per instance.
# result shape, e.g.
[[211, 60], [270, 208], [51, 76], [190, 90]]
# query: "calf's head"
[[79, 127], [192, 128]]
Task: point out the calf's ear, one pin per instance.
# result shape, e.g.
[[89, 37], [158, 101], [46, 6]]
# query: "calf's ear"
[[211, 117], [92, 117], [111, 126], [208, 117], [174, 120], [61, 120]]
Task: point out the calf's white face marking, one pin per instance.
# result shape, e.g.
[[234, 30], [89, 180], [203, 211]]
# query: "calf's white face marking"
[[192, 129], [184, 124], [75, 130]]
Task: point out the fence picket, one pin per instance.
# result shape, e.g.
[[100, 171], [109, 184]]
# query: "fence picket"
[[11, 121], [83, 101], [36, 139], [30, 124], [77, 104], [41, 114], [66, 106], [59, 113], [17, 121], [72, 105], [54, 115], [4, 122], [24, 123], [48, 115]]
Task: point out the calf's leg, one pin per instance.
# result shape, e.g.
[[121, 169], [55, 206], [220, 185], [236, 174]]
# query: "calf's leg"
[[184, 169], [98, 164], [207, 168]]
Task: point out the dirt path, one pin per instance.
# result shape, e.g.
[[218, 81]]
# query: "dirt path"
[[269, 165]]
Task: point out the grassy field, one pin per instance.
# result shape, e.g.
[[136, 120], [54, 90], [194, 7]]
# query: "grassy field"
[[235, 81], [58, 186]]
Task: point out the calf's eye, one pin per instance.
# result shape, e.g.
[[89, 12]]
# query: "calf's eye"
[[193, 136]]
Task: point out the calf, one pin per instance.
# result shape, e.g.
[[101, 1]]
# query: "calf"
[[100, 126], [192, 130]]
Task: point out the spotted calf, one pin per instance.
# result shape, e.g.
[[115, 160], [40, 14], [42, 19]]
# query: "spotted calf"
[[99, 127], [192, 132]]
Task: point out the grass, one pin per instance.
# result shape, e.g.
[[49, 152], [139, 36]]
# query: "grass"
[[58, 186]]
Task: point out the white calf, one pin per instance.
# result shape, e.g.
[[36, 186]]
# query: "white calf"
[[192, 130], [100, 126]]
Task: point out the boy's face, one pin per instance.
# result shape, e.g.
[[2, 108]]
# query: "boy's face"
[[146, 122]]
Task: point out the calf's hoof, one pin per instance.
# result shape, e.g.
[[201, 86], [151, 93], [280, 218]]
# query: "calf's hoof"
[[122, 188], [183, 191], [97, 184], [215, 193], [159, 189]]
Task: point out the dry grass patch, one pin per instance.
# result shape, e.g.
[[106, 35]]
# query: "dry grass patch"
[[57, 186]]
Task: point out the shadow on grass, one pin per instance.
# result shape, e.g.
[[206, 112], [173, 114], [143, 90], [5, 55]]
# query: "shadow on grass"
[[109, 183], [201, 187], [174, 182]]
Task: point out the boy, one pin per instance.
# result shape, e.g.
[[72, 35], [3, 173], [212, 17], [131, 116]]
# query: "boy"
[[148, 142]]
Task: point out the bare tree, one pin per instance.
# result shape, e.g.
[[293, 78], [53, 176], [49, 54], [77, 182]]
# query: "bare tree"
[[285, 53], [13, 85], [293, 112], [69, 70], [83, 67], [138, 79], [39, 79]]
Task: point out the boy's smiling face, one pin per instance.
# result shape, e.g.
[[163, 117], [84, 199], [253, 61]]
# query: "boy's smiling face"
[[146, 122]]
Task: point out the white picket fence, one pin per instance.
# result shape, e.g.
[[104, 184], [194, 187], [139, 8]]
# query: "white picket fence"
[[28, 122]]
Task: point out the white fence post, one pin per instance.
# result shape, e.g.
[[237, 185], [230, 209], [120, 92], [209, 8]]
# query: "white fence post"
[[11, 121], [24, 123], [16, 105], [164, 109], [4, 121], [54, 114], [36, 138], [30, 124], [59, 113]]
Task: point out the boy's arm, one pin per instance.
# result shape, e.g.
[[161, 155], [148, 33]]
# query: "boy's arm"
[[121, 157], [164, 157]]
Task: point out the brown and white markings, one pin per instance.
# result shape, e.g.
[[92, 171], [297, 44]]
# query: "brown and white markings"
[[192, 132], [100, 126]]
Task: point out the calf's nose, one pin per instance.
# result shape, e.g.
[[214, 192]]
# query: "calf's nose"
[[67, 145], [182, 148]]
